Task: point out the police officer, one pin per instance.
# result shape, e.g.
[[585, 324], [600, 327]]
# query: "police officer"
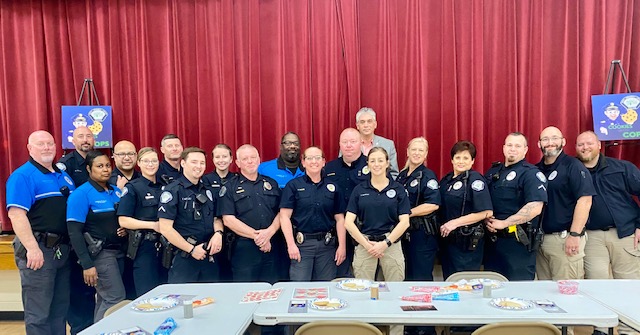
[[288, 165], [124, 156], [249, 207], [570, 192], [138, 211], [518, 193], [187, 219], [466, 202], [171, 148], [346, 172], [383, 207], [316, 209], [36, 203], [421, 246], [93, 230], [74, 163]]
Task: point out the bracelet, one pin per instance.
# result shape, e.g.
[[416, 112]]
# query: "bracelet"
[[192, 249]]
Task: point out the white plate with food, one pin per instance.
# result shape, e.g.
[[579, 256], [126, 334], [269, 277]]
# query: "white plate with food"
[[513, 304], [155, 304], [332, 304], [353, 284]]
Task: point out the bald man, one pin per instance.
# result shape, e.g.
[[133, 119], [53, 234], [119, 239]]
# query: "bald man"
[[125, 157], [36, 203], [73, 163]]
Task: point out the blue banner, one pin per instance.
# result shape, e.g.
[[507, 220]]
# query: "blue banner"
[[615, 116], [97, 118]]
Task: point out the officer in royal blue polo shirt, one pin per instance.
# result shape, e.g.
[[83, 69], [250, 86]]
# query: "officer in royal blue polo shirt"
[[93, 230], [466, 202], [570, 190], [36, 203], [171, 148], [138, 211], [288, 165], [315, 208], [518, 193], [347, 172], [187, 219], [421, 244]]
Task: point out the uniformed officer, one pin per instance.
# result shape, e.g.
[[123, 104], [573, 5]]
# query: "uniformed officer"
[[614, 226], [171, 148], [249, 207], [125, 157], [346, 172], [421, 246], [288, 164], [83, 304], [36, 203], [93, 230], [138, 211], [382, 205], [518, 193], [569, 189], [315, 207], [187, 219], [466, 202]]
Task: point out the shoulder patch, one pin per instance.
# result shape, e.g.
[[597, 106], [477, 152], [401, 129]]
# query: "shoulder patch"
[[119, 194], [61, 166], [223, 191], [541, 177], [125, 190], [165, 197], [477, 185], [209, 195], [432, 184], [68, 180]]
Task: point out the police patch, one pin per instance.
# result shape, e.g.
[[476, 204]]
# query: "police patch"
[[432, 184], [119, 194], [511, 175], [222, 192], [61, 166], [391, 193], [209, 195], [67, 179], [583, 174], [457, 185], [365, 170], [477, 185], [414, 183], [165, 197], [267, 185], [541, 177], [125, 190], [331, 187], [553, 175]]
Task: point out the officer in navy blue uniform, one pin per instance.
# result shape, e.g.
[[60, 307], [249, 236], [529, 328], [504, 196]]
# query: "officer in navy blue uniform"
[[421, 244], [125, 157], [36, 203], [187, 219], [93, 230], [316, 208], [249, 207], [81, 307], [347, 172], [171, 148], [466, 202], [570, 190], [138, 211], [518, 193]]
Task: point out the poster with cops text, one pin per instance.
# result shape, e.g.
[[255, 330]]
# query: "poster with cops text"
[[96, 118], [615, 116]]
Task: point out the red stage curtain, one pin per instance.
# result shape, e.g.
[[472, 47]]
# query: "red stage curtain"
[[248, 71]]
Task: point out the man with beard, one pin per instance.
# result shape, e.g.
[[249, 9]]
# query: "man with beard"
[[73, 163], [124, 155], [518, 193], [36, 203], [614, 226], [570, 192], [287, 166], [171, 148]]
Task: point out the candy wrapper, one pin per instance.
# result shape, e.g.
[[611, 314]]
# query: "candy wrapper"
[[424, 289], [203, 302], [447, 295], [166, 328], [417, 297]]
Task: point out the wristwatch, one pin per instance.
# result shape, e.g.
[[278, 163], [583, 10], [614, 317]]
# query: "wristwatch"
[[574, 234], [389, 243], [218, 231]]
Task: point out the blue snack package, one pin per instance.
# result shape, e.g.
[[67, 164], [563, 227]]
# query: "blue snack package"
[[167, 327], [447, 295]]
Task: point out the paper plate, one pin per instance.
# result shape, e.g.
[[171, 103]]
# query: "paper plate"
[[155, 304], [327, 304], [354, 284], [513, 304]]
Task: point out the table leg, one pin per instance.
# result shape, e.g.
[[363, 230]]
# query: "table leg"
[[564, 330]]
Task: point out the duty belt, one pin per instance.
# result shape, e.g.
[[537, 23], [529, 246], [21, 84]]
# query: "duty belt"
[[51, 239], [151, 236], [376, 238], [316, 236]]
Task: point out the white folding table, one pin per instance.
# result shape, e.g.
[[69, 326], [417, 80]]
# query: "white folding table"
[[620, 295]]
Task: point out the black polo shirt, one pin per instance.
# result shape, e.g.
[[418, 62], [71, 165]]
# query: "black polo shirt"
[[345, 176], [255, 203], [214, 180], [116, 172], [379, 210], [567, 180], [314, 205], [178, 202], [513, 186], [75, 166], [168, 173], [467, 188], [421, 185], [140, 198]]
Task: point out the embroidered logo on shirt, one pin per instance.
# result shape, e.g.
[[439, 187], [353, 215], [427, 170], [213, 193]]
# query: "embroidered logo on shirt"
[[391, 193], [165, 197], [432, 184], [477, 185], [457, 185], [541, 177], [67, 179]]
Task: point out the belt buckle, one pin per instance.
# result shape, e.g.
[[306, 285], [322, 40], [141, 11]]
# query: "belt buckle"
[[563, 234]]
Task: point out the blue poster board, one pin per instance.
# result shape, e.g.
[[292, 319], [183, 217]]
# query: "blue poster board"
[[615, 116], [97, 118]]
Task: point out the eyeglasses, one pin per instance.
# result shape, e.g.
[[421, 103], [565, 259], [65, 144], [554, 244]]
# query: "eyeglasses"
[[314, 158], [550, 139], [291, 143], [128, 154], [147, 162]]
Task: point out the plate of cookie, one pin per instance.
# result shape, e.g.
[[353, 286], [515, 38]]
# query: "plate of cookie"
[[353, 284], [328, 304], [155, 304], [513, 304]]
